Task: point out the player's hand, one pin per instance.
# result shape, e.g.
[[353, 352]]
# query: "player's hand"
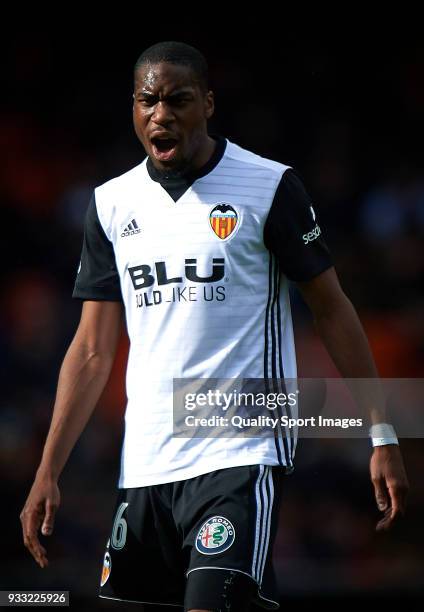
[[39, 511], [390, 484]]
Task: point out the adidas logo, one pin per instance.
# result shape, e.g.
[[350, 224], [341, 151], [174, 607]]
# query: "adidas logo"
[[131, 229]]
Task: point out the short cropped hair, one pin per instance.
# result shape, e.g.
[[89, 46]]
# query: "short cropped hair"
[[180, 54]]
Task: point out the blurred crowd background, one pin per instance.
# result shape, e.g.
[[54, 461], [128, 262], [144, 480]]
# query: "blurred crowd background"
[[347, 113]]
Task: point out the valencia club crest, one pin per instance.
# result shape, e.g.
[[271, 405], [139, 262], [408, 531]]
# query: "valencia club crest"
[[224, 220], [107, 567]]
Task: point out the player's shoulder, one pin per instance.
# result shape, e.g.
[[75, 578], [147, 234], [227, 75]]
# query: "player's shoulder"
[[238, 154], [118, 191], [122, 181]]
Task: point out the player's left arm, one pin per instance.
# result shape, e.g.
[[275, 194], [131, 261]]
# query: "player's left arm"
[[293, 234], [341, 331]]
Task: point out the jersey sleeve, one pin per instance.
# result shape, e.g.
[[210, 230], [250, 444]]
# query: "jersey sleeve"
[[292, 231], [98, 277]]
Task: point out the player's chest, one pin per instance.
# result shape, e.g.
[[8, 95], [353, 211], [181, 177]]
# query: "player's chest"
[[191, 226]]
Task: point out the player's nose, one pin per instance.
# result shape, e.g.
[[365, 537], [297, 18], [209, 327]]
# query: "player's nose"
[[162, 114]]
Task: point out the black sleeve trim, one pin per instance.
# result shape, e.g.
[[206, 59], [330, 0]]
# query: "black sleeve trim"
[[96, 294], [98, 277], [292, 231]]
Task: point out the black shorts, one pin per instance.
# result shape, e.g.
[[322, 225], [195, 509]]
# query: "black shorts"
[[200, 543]]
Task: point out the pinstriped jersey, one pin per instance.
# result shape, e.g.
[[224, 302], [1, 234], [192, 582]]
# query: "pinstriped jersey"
[[202, 263]]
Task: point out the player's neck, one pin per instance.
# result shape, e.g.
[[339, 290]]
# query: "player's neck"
[[204, 155]]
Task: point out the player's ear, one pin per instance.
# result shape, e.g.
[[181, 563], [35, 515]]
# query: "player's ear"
[[209, 104]]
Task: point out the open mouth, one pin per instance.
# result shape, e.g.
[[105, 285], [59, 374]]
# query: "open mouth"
[[164, 149]]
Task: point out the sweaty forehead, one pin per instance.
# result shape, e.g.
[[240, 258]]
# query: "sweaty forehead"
[[163, 78]]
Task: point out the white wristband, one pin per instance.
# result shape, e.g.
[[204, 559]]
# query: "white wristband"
[[382, 434]]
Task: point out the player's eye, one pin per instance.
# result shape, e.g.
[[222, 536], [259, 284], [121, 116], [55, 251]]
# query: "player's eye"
[[180, 101], [146, 101]]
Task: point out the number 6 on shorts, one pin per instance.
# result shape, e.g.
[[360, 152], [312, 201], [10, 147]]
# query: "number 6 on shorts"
[[119, 530]]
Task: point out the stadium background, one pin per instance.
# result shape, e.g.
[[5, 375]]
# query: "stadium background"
[[347, 112]]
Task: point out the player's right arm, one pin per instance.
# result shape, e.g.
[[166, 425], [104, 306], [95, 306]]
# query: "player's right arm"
[[83, 376]]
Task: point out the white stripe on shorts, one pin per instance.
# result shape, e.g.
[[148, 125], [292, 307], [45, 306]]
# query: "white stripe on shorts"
[[263, 521], [258, 521], [268, 523]]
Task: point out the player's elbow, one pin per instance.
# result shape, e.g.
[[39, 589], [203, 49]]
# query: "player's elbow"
[[334, 307], [99, 331], [92, 353]]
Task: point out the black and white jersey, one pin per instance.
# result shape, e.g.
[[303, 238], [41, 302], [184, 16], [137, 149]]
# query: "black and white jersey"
[[202, 265]]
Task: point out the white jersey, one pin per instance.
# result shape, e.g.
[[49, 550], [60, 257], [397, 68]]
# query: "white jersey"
[[204, 298]]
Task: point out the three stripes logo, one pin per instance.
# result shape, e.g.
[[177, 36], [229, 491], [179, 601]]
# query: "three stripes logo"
[[264, 493], [223, 219], [131, 229]]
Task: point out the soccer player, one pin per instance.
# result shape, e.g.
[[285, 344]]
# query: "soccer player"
[[195, 245]]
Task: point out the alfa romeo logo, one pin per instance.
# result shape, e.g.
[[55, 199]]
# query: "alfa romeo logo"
[[215, 535]]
